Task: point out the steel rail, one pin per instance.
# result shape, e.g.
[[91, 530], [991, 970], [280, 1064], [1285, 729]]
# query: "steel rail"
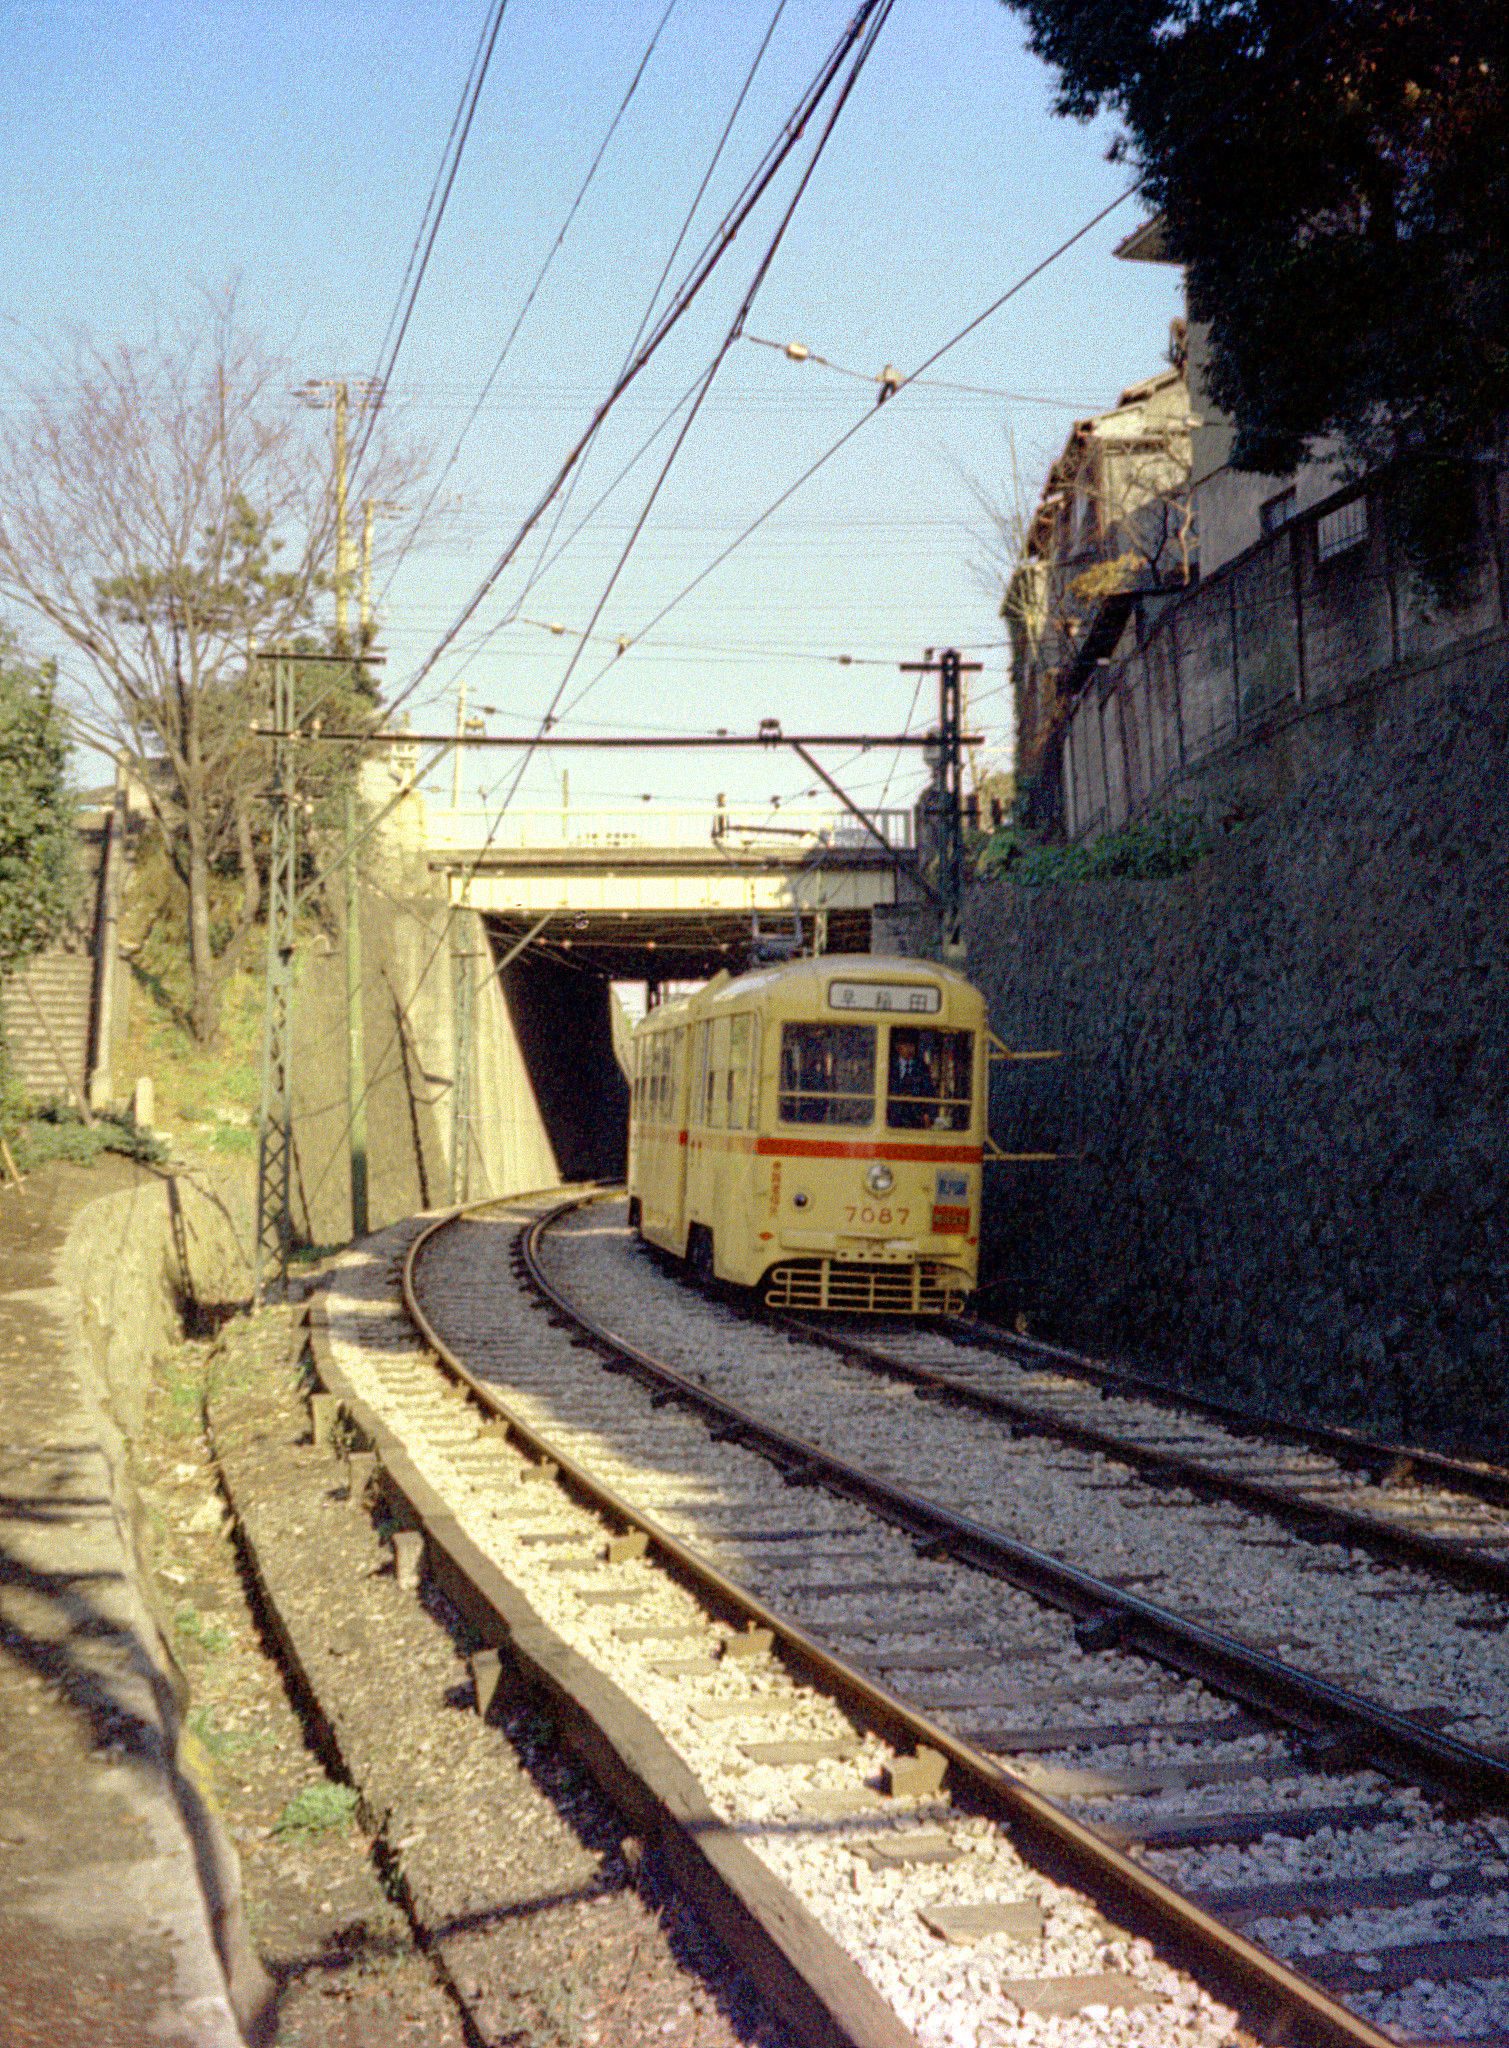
[[1391, 1741], [1295, 2009], [1321, 1521], [1347, 1446]]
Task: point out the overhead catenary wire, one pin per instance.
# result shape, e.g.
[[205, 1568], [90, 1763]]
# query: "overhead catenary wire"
[[542, 566], [858, 39], [879, 14], [530, 296], [703, 269], [424, 243], [798, 352], [902, 383], [698, 277], [865, 418]]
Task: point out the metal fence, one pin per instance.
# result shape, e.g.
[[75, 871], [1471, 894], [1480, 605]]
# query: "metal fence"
[[1288, 629]]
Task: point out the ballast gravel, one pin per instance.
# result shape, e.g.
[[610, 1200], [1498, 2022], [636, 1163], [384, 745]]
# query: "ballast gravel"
[[945, 1993], [1394, 1634]]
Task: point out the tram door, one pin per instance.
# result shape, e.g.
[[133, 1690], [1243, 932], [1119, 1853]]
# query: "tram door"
[[676, 1134]]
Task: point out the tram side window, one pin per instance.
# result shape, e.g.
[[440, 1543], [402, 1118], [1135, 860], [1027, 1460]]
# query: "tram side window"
[[678, 1068], [658, 1110], [738, 1073], [929, 1079], [697, 1093], [827, 1073], [717, 1074]]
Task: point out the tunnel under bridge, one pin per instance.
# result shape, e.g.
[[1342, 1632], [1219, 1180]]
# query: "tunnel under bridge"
[[573, 902]]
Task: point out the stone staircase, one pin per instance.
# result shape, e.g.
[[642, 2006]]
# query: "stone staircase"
[[63, 985]]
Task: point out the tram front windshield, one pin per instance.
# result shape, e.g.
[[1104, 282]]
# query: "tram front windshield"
[[928, 1079], [827, 1073], [828, 1076]]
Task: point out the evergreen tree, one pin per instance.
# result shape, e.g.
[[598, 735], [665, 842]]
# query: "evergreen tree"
[[1335, 181], [36, 812]]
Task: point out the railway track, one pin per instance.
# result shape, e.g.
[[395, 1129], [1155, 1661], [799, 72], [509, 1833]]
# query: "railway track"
[[1392, 1502], [1003, 1782]]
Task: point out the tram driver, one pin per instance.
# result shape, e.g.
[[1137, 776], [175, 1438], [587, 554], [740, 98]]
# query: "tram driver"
[[911, 1089]]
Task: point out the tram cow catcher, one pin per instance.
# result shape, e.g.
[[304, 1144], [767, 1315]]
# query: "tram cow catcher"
[[815, 1131]]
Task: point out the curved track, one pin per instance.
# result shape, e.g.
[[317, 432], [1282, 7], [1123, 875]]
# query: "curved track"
[[1136, 1745]]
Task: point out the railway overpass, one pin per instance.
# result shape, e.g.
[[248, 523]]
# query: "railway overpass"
[[490, 1037], [661, 894]]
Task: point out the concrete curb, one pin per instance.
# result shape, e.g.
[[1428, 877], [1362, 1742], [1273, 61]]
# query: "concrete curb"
[[805, 1975], [94, 1602]]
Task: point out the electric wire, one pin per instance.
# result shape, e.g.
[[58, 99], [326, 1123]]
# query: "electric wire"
[[902, 383], [542, 566], [931, 383], [704, 267], [880, 14], [530, 296], [456, 119], [388, 356], [859, 38], [679, 304]]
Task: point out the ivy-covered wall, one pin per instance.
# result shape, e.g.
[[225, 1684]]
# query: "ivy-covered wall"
[[1287, 1081]]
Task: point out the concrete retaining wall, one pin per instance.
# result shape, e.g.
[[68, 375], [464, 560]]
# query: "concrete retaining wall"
[[412, 949], [1288, 1075]]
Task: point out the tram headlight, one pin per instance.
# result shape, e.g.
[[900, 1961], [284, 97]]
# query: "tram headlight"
[[799, 1200], [880, 1179]]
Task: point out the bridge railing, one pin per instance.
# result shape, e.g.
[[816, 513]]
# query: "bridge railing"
[[470, 831]]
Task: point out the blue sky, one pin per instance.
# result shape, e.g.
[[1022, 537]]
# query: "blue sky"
[[164, 148]]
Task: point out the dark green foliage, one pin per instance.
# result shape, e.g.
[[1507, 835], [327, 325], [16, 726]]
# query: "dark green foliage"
[[1165, 842], [1336, 181], [57, 1131], [37, 845]]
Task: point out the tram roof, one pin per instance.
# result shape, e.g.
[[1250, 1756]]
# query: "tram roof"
[[794, 980]]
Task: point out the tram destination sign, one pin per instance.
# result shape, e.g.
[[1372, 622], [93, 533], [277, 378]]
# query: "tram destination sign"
[[913, 998]]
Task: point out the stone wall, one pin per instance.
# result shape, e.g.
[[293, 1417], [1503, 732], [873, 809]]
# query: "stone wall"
[[1288, 1084]]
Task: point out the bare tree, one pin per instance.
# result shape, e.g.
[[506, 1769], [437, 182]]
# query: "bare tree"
[[168, 510]]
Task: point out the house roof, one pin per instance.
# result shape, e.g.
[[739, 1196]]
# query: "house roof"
[[1146, 244]]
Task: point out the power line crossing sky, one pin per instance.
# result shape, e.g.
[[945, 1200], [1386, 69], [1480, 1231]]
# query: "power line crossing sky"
[[164, 148]]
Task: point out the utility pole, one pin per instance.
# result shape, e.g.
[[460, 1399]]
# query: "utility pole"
[[342, 539], [323, 391], [356, 1050], [460, 729], [370, 508], [275, 1130], [462, 967], [948, 785]]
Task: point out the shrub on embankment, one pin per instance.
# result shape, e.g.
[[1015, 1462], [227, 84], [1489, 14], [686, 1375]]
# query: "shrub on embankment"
[[1287, 1078]]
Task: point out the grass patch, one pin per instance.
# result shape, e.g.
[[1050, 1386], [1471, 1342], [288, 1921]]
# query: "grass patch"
[[192, 1084], [191, 1627], [56, 1131], [223, 1743], [185, 1402], [1162, 844], [317, 1809]]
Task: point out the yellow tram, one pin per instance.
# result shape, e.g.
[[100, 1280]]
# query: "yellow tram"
[[816, 1130]]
